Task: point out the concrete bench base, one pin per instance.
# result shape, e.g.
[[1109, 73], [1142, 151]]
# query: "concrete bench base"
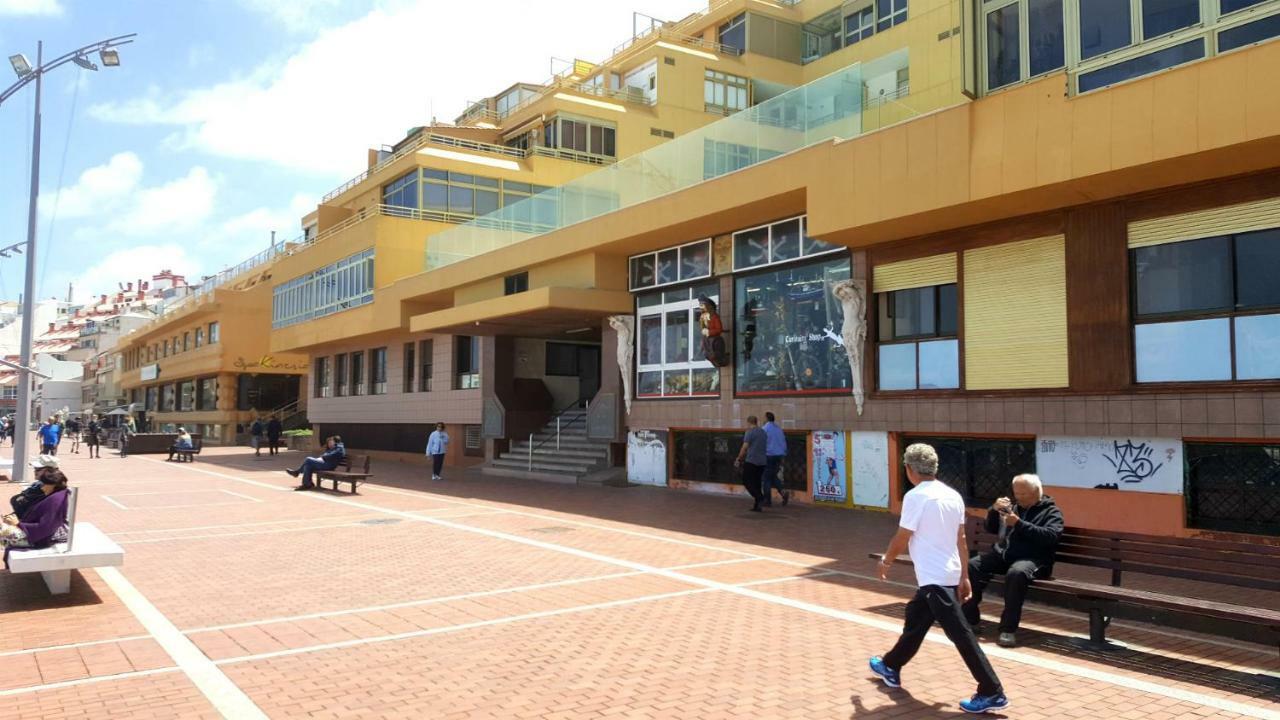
[[91, 548]]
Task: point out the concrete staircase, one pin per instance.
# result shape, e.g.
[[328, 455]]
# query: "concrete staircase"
[[575, 458]]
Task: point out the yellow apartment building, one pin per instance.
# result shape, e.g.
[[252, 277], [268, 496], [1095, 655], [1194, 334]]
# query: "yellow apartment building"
[[1038, 234], [206, 364]]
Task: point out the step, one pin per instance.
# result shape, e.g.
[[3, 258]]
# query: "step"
[[522, 450], [517, 463], [555, 477], [565, 444]]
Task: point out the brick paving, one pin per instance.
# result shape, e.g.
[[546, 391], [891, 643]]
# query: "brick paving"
[[498, 598]]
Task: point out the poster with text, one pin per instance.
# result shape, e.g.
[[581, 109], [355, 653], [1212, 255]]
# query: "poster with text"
[[870, 452], [647, 457], [830, 481], [1114, 463]]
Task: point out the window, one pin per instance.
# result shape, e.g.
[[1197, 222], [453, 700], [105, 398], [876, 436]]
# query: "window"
[[472, 441], [677, 264], [186, 341], [187, 395], [153, 403], [1142, 65], [1105, 25], [918, 348], [166, 348], [1229, 6], [213, 332], [643, 83], [779, 242], [333, 288], [733, 34], [322, 377], [582, 136], [378, 376], [408, 366], [199, 336], [725, 93], [517, 283], [426, 364], [168, 398], [1013, 55], [1161, 17], [402, 192], [981, 470], [466, 365], [357, 373], [787, 325], [1215, 295], [890, 13], [704, 456], [1233, 487], [1250, 33], [669, 344], [340, 373], [562, 359], [859, 25]]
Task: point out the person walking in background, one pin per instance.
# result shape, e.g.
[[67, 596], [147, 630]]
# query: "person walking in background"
[[437, 446], [334, 453], [93, 437], [50, 433], [274, 429], [127, 430], [932, 528], [752, 459], [775, 450], [256, 431], [73, 429]]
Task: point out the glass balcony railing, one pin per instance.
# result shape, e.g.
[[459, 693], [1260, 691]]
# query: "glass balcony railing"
[[827, 108]]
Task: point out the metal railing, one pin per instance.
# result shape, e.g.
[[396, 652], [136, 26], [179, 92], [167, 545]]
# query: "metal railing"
[[224, 277]]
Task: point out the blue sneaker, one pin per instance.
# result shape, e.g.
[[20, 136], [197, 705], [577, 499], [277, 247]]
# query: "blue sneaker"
[[979, 704], [886, 673]]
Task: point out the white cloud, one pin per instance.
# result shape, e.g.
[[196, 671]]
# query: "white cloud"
[[132, 263], [366, 82], [30, 7], [261, 221], [177, 205], [98, 188], [295, 16]]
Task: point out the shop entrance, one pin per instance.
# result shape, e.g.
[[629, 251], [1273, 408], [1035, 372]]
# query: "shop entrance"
[[265, 393]]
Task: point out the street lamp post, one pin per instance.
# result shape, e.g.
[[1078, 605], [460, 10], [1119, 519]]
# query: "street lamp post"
[[27, 74]]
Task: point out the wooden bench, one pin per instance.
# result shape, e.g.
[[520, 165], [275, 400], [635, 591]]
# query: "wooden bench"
[[197, 442], [1234, 564], [86, 547], [352, 469]]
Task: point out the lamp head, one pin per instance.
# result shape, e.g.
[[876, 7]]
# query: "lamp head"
[[84, 62], [110, 57], [20, 65]]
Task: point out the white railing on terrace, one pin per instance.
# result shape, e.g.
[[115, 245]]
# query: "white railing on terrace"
[[224, 277], [679, 30]]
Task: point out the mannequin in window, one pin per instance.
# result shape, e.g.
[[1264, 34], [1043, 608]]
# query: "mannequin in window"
[[713, 345]]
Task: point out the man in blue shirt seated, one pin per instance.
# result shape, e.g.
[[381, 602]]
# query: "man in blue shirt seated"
[[332, 456], [775, 450]]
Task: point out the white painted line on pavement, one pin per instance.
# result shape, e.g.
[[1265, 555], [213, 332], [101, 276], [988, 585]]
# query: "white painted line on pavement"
[[70, 646], [113, 502], [238, 525], [226, 697], [218, 536], [86, 681]]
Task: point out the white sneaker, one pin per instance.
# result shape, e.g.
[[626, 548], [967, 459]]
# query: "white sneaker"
[[435, 477]]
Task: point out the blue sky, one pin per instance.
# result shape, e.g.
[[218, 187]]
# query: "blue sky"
[[231, 118]]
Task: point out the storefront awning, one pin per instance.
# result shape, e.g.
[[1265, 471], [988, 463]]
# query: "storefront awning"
[[540, 312]]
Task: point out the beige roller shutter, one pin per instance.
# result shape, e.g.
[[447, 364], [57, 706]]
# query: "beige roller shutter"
[[914, 273], [1245, 217], [1015, 315]]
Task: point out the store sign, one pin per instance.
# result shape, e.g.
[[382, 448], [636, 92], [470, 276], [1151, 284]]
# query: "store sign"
[[1114, 463], [647, 457], [150, 372], [870, 469], [266, 362], [830, 479]]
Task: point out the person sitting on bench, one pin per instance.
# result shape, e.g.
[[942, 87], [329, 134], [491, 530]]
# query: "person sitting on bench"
[[332, 456], [45, 523], [182, 444], [1028, 536]]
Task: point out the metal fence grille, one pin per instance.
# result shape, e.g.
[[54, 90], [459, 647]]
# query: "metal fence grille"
[[981, 470], [709, 456], [1233, 487]]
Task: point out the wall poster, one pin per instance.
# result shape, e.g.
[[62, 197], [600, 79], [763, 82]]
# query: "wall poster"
[[1114, 463], [647, 457], [870, 451], [830, 471]]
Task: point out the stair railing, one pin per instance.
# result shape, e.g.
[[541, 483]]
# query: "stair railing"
[[559, 425]]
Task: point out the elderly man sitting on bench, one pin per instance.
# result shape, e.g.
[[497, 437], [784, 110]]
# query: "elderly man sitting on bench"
[[1028, 537]]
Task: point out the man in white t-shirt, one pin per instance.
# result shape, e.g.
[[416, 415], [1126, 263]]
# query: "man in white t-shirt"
[[932, 528]]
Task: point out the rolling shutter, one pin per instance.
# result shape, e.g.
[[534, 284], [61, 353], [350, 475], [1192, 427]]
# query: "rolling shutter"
[[1245, 217], [914, 273], [1015, 315]]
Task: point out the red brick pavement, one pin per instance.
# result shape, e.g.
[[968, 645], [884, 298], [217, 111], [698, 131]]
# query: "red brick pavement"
[[488, 598]]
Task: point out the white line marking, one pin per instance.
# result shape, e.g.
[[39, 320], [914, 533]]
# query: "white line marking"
[[242, 495], [223, 694], [239, 525], [113, 502], [214, 536], [86, 681], [180, 492], [69, 646]]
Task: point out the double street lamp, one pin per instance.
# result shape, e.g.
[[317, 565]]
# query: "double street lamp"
[[28, 73]]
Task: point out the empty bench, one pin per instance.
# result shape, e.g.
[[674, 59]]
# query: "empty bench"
[[86, 547], [353, 469]]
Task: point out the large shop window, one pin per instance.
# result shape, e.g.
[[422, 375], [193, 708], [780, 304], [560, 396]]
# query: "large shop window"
[[1208, 309], [169, 400], [1233, 487], [670, 266], [918, 346], [981, 470], [669, 344], [788, 330], [208, 397], [782, 241], [187, 395], [153, 401], [708, 457]]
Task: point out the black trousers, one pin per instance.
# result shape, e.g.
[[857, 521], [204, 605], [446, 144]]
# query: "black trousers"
[[936, 602], [437, 464], [751, 476], [1017, 578]]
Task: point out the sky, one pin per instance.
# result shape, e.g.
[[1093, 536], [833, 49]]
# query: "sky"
[[228, 119]]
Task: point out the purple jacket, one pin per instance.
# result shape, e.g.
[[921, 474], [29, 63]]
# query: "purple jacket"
[[43, 520]]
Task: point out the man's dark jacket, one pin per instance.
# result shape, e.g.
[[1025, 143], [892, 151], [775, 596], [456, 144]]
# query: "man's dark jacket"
[[1035, 537]]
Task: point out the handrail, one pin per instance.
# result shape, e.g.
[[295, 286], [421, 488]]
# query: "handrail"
[[557, 417]]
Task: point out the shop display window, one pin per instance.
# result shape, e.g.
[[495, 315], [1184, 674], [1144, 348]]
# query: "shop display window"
[[669, 359]]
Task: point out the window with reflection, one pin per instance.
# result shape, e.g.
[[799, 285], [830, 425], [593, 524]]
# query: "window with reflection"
[[918, 346], [777, 242], [1208, 309], [787, 330], [669, 359], [672, 265], [733, 34]]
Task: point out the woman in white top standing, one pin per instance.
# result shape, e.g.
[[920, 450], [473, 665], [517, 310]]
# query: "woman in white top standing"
[[437, 446]]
